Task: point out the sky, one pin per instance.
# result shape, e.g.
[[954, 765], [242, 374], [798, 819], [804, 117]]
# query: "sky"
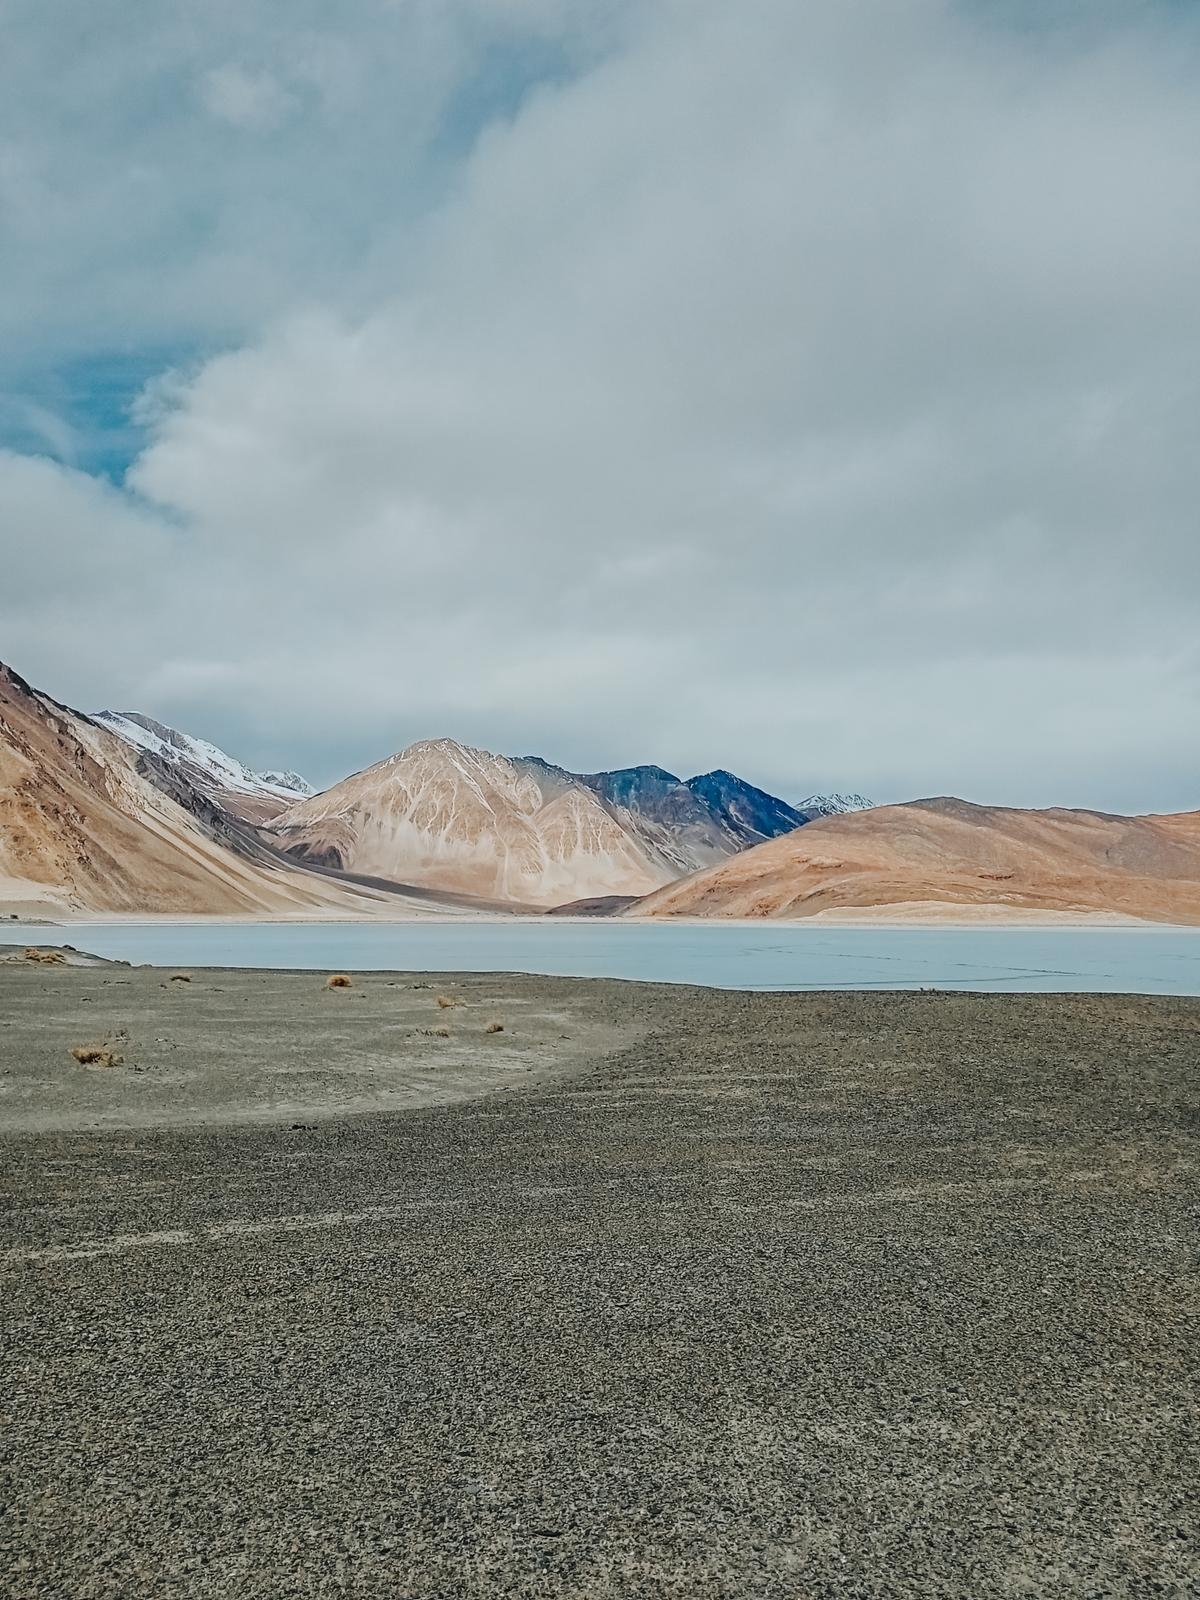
[[807, 390]]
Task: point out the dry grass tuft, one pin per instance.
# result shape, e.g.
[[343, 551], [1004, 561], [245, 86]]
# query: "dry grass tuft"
[[494, 1027], [52, 957], [181, 977], [94, 1055], [445, 1001], [339, 980]]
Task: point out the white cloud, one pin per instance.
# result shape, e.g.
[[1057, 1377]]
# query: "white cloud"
[[800, 389], [246, 99]]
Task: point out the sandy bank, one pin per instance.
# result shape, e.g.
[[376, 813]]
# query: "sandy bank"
[[220, 1046]]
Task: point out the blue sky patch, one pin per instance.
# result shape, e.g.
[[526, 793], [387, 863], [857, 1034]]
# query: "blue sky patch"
[[80, 411]]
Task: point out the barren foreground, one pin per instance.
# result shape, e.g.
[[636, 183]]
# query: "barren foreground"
[[719, 1295]]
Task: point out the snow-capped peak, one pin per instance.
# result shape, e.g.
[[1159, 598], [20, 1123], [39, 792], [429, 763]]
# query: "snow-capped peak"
[[287, 783], [206, 764], [833, 805]]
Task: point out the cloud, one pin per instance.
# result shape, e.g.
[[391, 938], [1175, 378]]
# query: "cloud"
[[136, 211], [805, 390], [246, 99]]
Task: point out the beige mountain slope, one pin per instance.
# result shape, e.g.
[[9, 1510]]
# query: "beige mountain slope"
[[87, 823], [949, 854], [443, 815]]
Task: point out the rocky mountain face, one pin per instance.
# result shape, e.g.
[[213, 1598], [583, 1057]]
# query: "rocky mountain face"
[[251, 796], [945, 857], [748, 815], [695, 822], [523, 830], [90, 822], [651, 805]]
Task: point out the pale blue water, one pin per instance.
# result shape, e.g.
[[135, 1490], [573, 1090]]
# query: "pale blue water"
[[725, 956]]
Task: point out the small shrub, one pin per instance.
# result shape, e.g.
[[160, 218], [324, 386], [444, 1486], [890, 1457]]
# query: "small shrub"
[[494, 1027], [445, 1001], [181, 977], [51, 957], [94, 1055], [340, 980]]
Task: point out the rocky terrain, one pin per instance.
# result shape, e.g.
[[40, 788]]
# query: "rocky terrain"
[[944, 853], [722, 1295]]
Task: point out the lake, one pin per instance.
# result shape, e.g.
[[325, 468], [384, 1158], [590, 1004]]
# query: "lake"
[[720, 955]]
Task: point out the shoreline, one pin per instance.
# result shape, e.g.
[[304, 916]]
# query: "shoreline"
[[868, 920]]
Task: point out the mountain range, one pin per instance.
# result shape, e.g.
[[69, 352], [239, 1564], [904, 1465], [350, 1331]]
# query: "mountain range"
[[119, 812], [441, 814]]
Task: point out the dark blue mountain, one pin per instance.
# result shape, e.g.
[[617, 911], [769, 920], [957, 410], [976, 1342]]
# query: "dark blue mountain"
[[746, 813], [694, 823]]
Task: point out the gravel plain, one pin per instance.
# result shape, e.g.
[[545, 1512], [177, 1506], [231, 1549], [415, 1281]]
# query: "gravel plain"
[[719, 1295]]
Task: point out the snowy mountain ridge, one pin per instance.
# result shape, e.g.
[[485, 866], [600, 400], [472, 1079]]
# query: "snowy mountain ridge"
[[833, 805], [206, 766]]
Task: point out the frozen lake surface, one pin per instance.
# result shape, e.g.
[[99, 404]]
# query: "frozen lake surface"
[[721, 955]]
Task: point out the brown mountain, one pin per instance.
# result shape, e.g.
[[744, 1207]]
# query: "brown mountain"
[[944, 854], [89, 823], [449, 817]]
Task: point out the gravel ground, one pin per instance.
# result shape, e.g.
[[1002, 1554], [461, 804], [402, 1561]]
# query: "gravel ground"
[[758, 1295]]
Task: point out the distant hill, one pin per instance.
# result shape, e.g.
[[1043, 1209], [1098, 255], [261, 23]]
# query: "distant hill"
[[944, 853], [832, 805]]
